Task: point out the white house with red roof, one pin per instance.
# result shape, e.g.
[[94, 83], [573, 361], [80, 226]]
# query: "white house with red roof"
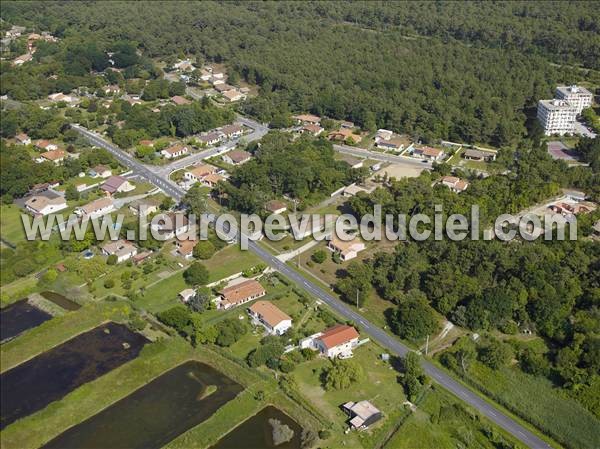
[[174, 151], [337, 341]]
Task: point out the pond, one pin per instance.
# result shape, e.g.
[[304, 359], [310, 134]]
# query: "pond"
[[19, 317], [156, 413], [34, 384], [61, 300], [257, 432]]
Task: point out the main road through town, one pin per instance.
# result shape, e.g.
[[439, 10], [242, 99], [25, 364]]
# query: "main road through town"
[[366, 327]]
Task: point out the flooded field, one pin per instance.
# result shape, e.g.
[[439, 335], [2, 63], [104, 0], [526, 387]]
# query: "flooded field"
[[60, 300], [156, 413], [19, 317], [48, 377], [259, 432]]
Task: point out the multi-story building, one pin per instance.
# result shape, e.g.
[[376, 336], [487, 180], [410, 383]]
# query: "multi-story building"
[[577, 96], [556, 116]]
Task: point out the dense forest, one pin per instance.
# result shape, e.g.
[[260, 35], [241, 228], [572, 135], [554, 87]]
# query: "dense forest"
[[549, 288], [434, 74], [184, 120], [304, 170]]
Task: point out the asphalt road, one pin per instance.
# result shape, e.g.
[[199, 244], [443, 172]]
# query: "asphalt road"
[[366, 327], [383, 157], [136, 166]]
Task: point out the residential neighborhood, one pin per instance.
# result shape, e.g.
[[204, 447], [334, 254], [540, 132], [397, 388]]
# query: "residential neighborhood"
[[292, 225]]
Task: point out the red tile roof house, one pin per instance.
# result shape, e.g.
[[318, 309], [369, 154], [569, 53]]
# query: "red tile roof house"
[[96, 208], [56, 156], [123, 249], [23, 139], [147, 143], [224, 87], [116, 184], [197, 173], [241, 293], [212, 180], [233, 95], [100, 171], [314, 130], [428, 153], [174, 151], [306, 119], [170, 225], [179, 100], [185, 248], [455, 184], [275, 207], [211, 138], [46, 145], [347, 249], [337, 341], [231, 131], [237, 157], [267, 314], [42, 205]]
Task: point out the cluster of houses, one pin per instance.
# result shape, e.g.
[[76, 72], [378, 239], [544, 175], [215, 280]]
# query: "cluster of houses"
[[206, 174], [218, 135], [571, 204], [213, 76], [309, 124], [390, 141], [335, 342], [32, 38], [45, 202]]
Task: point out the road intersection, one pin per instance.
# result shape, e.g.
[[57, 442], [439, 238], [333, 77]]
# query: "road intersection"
[[386, 340]]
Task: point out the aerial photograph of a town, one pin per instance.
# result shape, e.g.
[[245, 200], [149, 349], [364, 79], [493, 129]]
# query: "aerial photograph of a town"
[[299, 224]]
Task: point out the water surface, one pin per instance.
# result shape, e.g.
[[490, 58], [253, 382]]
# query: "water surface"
[[155, 414], [19, 317], [257, 432], [34, 384], [60, 300]]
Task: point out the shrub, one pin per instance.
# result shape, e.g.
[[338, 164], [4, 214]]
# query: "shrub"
[[286, 366], [324, 434], [112, 259], [319, 256], [109, 283], [196, 274]]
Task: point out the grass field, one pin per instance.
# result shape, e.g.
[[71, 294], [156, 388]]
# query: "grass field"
[[11, 226], [228, 261], [537, 401], [440, 421], [379, 386]]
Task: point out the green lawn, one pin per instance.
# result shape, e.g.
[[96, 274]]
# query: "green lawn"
[[228, 261], [11, 226], [140, 189], [163, 294]]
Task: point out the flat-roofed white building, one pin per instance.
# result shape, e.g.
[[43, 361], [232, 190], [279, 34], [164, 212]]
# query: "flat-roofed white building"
[[556, 116], [577, 96]]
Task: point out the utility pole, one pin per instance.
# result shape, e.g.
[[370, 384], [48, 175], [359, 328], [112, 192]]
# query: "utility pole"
[[427, 346], [357, 292]]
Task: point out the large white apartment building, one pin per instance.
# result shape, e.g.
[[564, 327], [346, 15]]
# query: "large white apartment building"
[[577, 96], [556, 116]]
